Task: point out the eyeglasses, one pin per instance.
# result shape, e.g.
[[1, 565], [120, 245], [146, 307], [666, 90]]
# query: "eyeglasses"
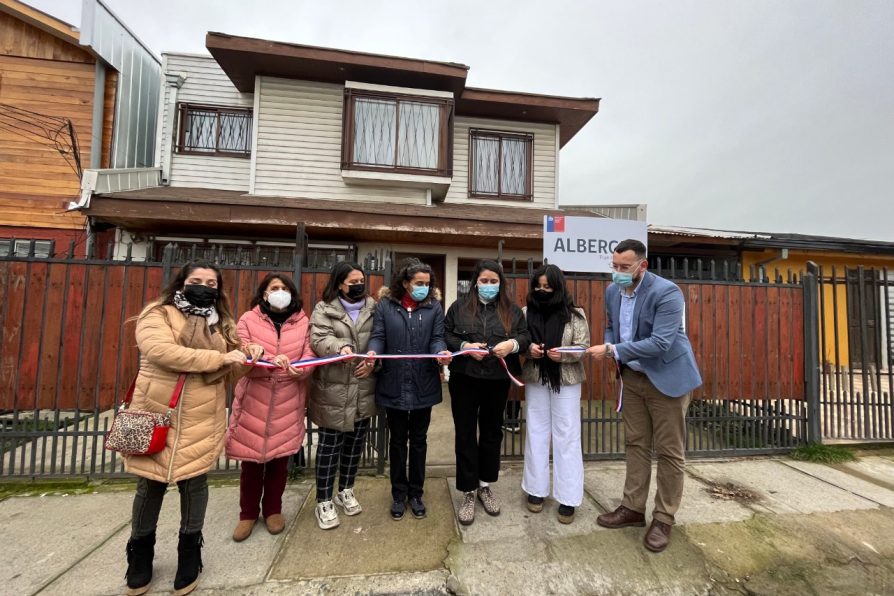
[[623, 268]]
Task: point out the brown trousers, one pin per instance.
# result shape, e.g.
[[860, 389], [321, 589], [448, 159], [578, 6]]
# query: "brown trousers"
[[650, 416]]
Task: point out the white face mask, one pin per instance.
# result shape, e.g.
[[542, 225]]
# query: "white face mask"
[[280, 299]]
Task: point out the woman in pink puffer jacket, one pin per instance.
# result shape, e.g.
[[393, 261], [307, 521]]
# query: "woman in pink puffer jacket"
[[267, 422]]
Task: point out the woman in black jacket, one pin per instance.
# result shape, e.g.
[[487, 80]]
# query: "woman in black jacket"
[[479, 385], [409, 320]]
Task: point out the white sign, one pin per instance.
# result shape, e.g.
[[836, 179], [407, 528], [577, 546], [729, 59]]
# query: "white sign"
[[585, 244]]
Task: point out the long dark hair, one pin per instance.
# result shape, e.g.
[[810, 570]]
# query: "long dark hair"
[[504, 304], [294, 306], [408, 268], [561, 300], [227, 321], [340, 272]]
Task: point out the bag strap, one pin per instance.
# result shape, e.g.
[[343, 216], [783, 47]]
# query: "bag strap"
[[128, 397], [178, 389], [175, 397]]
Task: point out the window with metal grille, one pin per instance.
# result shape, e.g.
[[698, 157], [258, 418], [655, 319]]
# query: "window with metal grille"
[[399, 133], [214, 130], [500, 165], [40, 249]]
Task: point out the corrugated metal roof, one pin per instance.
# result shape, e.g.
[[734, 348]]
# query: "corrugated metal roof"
[[705, 233]]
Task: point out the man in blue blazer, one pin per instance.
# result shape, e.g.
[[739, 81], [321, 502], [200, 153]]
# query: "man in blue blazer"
[[645, 335]]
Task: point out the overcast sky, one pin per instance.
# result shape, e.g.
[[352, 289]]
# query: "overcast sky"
[[760, 115]]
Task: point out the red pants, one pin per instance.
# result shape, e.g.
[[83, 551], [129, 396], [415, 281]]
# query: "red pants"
[[262, 486]]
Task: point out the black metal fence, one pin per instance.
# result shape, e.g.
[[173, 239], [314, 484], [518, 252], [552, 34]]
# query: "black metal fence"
[[856, 350]]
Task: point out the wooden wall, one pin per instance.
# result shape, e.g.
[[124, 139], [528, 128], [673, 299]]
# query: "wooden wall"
[[44, 74]]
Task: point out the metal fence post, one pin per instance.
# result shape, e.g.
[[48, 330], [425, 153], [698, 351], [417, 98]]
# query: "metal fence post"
[[811, 353], [381, 427], [300, 255], [167, 259]]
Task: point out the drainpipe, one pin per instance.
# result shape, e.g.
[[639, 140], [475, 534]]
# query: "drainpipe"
[[99, 96], [174, 82], [783, 255]]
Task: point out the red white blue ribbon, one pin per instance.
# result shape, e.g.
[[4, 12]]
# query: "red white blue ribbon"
[[579, 350], [313, 362]]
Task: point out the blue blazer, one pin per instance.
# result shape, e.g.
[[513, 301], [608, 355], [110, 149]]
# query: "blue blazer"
[[659, 342]]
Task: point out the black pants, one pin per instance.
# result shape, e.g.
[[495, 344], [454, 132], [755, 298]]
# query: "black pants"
[[151, 493], [405, 426], [477, 405]]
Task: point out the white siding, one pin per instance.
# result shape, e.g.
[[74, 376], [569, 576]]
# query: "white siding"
[[545, 152], [299, 145], [205, 83]]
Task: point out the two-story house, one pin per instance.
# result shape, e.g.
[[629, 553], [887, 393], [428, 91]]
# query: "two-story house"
[[264, 140], [71, 99]]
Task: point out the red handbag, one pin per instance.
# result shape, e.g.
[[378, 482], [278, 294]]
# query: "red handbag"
[[137, 432]]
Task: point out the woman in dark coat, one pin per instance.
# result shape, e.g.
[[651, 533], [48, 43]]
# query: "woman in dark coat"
[[409, 320], [479, 385]]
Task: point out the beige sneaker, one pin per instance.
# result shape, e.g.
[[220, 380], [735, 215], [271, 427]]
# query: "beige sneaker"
[[489, 500], [466, 513]]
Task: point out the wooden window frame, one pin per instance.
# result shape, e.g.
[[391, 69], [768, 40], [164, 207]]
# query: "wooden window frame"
[[445, 120], [183, 108], [528, 196]]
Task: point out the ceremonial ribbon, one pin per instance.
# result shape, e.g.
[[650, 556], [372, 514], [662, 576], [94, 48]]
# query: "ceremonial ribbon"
[[312, 362], [578, 350]]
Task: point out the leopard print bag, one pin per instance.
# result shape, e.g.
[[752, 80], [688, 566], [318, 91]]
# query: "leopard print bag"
[[136, 432]]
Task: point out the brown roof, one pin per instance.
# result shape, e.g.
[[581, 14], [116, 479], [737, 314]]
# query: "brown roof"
[[243, 58], [168, 209], [570, 113], [41, 20]]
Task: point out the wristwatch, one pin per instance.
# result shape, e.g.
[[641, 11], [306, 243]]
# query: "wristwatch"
[[609, 352]]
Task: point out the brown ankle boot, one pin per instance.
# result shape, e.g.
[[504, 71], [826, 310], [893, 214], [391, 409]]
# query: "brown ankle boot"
[[243, 529], [275, 523]]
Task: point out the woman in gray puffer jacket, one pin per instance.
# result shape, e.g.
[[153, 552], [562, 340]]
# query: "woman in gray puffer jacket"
[[342, 397]]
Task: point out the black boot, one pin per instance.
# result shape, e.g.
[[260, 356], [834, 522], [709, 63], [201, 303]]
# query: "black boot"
[[140, 552], [189, 563]]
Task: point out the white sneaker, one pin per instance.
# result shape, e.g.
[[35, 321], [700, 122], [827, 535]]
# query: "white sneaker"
[[327, 516], [346, 499]]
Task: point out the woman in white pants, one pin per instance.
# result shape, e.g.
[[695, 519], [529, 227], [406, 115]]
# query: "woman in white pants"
[[552, 394]]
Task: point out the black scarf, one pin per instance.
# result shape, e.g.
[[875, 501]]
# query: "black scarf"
[[546, 322], [279, 317]]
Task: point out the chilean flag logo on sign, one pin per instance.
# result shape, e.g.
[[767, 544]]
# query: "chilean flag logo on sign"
[[555, 223]]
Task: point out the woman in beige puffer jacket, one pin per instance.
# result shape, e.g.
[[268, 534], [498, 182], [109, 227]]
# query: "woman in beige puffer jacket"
[[189, 330], [342, 396]]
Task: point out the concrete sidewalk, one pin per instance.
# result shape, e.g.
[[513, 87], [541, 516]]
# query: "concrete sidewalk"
[[756, 526]]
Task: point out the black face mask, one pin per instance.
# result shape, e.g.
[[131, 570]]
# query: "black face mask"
[[200, 295], [542, 296], [355, 292]]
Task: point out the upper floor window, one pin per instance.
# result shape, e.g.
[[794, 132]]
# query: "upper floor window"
[[398, 133], [215, 130], [41, 249], [500, 165]]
